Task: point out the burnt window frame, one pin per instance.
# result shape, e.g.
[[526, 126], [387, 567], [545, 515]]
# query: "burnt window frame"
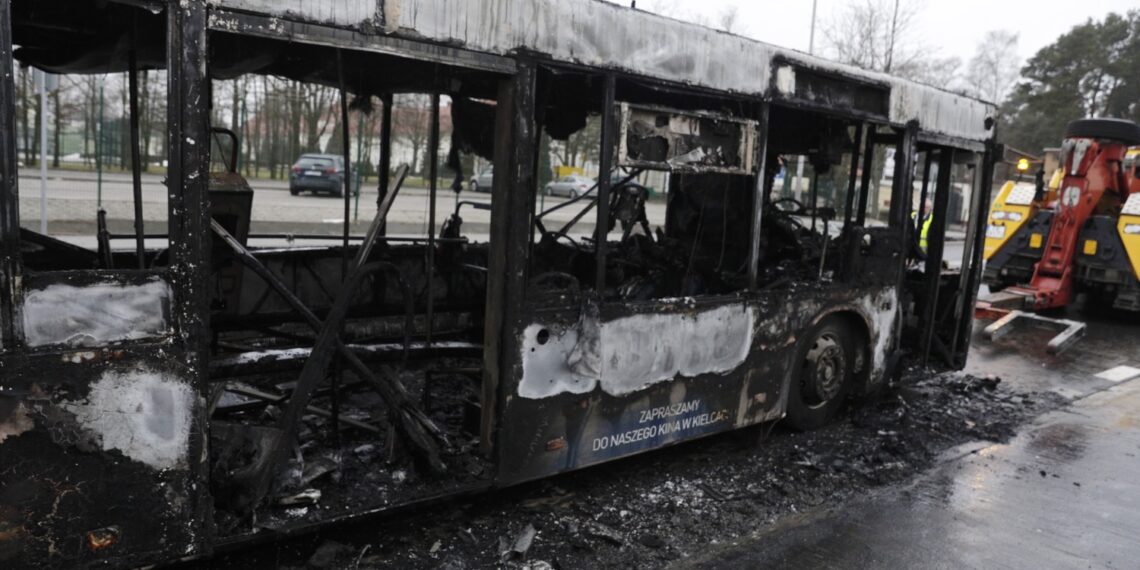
[[870, 133], [16, 278], [750, 112], [609, 92]]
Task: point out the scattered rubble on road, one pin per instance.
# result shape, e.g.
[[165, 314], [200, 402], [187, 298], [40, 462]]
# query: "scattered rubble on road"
[[668, 505]]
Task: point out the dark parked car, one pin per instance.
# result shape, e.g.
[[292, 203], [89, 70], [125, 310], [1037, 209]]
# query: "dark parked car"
[[318, 173]]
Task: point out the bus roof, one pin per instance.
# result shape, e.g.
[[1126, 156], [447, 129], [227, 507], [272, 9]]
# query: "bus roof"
[[605, 35]]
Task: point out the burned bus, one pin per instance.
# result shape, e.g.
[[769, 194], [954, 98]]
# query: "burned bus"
[[171, 394]]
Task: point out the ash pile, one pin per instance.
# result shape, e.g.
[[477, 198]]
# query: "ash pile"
[[665, 506]]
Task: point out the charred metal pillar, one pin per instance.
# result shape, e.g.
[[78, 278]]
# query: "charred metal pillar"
[[865, 183], [975, 244], [385, 174], [515, 138], [853, 178], [904, 175], [188, 144], [9, 195], [188, 121], [926, 169], [345, 141], [935, 248], [902, 196], [136, 154], [605, 171], [346, 148], [759, 198], [433, 187]]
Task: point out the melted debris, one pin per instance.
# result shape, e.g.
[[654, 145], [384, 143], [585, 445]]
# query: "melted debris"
[[660, 507]]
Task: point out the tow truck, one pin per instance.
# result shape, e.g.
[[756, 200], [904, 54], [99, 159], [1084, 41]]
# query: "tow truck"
[[1079, 234]]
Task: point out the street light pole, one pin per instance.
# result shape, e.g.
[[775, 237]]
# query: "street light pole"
[[41, 83], [811, 40], [811, 50], [99, 148]]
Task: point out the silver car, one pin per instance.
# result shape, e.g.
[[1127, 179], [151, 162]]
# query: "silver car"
[[482, 181], [569, 186]]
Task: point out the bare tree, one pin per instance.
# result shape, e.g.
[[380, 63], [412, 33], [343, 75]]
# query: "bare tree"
[[87, 87], [995, 66], [411, 123], [582, 147], [152, 113], [944, 72], [57, 125], [876, 35], [319, 113], [729, 20], [669, 8]]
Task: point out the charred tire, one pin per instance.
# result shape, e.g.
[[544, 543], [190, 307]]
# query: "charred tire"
[[822, 374], [1113, 129]]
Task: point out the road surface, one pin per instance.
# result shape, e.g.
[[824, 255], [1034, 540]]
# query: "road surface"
[[1063, 494], [73, 200]]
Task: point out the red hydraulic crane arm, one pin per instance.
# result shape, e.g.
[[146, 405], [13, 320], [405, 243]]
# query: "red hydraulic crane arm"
[[1092, 169]]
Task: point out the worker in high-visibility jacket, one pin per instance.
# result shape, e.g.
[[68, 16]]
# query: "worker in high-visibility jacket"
[[924, 228]]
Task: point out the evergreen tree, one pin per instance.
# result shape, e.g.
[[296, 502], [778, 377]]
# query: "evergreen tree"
[[1091, 71]]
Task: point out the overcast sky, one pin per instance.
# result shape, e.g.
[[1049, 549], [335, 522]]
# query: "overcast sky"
[[953, 27]]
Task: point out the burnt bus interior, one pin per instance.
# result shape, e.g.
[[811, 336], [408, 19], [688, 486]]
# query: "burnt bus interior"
[[338, 380]]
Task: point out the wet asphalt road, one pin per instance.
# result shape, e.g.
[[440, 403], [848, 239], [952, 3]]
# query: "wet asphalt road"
[[1063, 494]]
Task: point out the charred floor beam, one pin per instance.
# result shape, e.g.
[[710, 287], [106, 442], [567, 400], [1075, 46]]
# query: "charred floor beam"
[[409, 420], [288, 360], [307, 314], [326, 348], [279, 399]]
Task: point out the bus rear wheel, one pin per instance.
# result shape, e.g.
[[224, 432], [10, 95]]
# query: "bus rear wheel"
[[824, 369]]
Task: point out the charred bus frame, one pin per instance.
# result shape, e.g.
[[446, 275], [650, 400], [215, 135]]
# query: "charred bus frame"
[[117, 443]]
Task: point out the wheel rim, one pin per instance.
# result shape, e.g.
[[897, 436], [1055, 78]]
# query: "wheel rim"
[[825, 370]]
